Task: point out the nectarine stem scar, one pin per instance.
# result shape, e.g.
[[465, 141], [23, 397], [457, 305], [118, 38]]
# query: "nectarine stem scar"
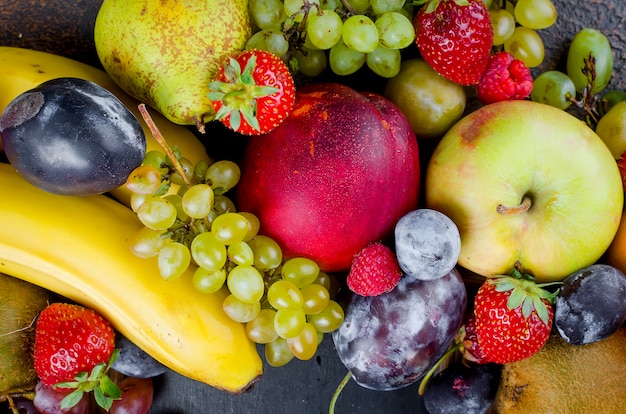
[[509, 211]]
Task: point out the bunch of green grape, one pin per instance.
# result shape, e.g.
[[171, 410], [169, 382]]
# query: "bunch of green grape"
[[345, 35], [189, 221], [588, 71], [516, 25]]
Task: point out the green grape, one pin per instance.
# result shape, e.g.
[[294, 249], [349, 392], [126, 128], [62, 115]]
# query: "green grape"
[[223, 175], [187, 167], [156, 159], [208, 252], [144, 179], [359, 5], [384, 6], [585, 44], [207, 281], [526, 45], [261, 330], [324, 29], [284, 295], [331, 4], [271, 40], [229, 228], [223, 204], [304, 345], [174, 258], [510, 6], [267, 253], [199, 170], [610, 99], [277, 352], [360, 33], [324, 280], [289, 322], [384, 62], [311, 62], [503, 24], [395, 31], [553, 88], [253, 225], [267, 14], [300, 271], [329, 319], [315, 298], [246, 283], [198, 200], [240, 311], [177, 200], [344, 60], [136, 200], [240, 253], [295, 9], [535, 14], [157, 213], [146, 242]]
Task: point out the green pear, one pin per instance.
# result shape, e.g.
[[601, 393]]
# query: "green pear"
[[165, 52]]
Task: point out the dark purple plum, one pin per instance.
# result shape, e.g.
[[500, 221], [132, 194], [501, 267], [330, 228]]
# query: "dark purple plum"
[[591, 304], [134, 361], [427, 243], [71, 136], [390, 341], [462, 389]]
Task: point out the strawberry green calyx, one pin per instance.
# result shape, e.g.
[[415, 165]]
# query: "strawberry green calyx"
[[431, 5], [105, 391], [525, 293], [239, 93]]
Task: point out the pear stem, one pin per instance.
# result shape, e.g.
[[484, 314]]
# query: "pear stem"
[[161, 140], [510, 211]]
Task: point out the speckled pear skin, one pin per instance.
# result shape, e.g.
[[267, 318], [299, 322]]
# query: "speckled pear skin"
[[165, 52]]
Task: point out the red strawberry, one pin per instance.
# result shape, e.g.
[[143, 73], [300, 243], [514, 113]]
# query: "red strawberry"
[[505, 78], [256, 99], [455, 37], [73, 348], [512, 320], [374, 270]]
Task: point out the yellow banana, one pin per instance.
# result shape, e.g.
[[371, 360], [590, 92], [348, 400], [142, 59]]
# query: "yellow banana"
[[77, 247], [23, 69]]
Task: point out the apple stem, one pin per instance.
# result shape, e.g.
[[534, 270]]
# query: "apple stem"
[[509, 211]]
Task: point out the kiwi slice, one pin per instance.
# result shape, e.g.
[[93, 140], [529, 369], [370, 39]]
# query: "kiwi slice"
[[20, 303], [567, 379]]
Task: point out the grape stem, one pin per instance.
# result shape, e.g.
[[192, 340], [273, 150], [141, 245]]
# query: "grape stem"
[[509, 211], [340, 387], [161, 140]]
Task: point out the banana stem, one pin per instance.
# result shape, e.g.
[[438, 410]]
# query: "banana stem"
[[161, 140]]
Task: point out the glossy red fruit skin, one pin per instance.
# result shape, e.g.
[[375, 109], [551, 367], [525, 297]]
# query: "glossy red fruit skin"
[[336, 175]]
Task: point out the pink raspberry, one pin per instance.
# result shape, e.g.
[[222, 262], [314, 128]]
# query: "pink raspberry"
[[374, 270], [505, 78]]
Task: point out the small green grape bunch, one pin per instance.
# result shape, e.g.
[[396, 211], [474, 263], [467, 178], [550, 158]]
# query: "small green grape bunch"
[[516, 25], [587, 74], [178, 206], [290, 314], [343, 34]]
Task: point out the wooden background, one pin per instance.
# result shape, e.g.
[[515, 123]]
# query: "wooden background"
[[65, 27]]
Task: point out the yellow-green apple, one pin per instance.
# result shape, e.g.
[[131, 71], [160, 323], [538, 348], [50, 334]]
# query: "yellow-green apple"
[[529, 186]]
